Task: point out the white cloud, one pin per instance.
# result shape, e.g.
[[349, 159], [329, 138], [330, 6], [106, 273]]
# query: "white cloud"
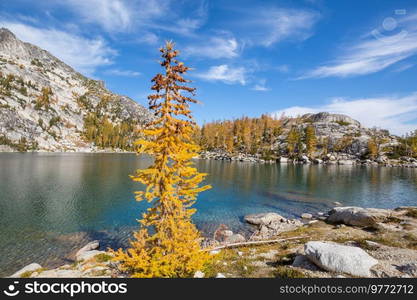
[[83, 54], [186, 26], [112, 15], [283, 68], [374, 52], [126, 73], [226, 74], [148, 38], [216, 47], [273, 25], [261, 86], [172, 17], [295, 111], [397, 114], [141, 17], [116, 15]]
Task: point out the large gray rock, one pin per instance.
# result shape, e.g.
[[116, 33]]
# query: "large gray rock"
[[88, 251], [325, 117], [29, 268], [270, 224], [264, 218], [358, 216], [301, 261], [346, 162], [90, 246], [273, 229], [56, 273], [339, 258], [86, 255]]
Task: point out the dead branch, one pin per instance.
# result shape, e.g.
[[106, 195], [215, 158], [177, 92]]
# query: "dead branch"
[[251, 243]]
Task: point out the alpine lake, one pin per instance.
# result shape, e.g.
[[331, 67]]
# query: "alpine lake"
[[52, 204]]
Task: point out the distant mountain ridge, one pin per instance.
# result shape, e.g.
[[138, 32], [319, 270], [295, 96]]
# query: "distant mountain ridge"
[[46, 105]]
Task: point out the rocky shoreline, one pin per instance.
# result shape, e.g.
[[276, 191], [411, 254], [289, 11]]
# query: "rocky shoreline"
[[7, 149], [88, 263], [329, 159], [343, 242]]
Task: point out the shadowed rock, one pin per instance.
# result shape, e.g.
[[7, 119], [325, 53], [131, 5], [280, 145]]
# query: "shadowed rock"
[[358, 216], [264, 218], [270, 224], [234, 238]]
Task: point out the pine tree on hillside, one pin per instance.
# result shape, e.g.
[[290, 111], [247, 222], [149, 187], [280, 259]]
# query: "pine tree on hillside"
[[372, 149], [167, 243], [293, 141], [413, 144], [324, 145], [375, 142], [409, 144], [310, 140], [44, 100], [247, 135]]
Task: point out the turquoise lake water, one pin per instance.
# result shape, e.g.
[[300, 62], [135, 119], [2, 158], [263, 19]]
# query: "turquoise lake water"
[[52, 204]]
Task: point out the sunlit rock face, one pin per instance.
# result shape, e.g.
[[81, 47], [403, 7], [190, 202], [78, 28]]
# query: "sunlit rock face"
[[25, 71], [325, 117], [335, 129]]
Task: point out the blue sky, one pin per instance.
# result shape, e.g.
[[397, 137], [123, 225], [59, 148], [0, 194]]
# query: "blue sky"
[[248, 57]]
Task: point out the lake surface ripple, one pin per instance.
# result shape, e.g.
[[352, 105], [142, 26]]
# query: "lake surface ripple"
[[52, 204]]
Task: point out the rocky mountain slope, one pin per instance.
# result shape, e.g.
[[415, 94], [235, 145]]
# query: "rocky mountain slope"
[[45, 105], [337, 134]]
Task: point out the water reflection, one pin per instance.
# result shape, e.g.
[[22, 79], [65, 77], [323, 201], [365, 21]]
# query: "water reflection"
[[51, 204]]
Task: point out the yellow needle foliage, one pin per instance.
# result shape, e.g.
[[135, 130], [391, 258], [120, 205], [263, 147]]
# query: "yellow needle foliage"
[[168, 243], [310, 140]]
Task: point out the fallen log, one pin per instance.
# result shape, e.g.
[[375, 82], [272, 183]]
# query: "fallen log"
[[251, 243]]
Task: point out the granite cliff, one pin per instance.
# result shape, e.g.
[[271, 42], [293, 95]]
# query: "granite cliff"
[[45, 105]]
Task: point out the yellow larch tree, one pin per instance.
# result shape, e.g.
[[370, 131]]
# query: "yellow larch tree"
[[167, 243], [372, 149], [413, 143], [310, 140], [293, 140], [377, 139]]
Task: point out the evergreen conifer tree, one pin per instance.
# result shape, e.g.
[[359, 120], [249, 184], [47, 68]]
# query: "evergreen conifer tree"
[[311, 140], [168, 243]]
